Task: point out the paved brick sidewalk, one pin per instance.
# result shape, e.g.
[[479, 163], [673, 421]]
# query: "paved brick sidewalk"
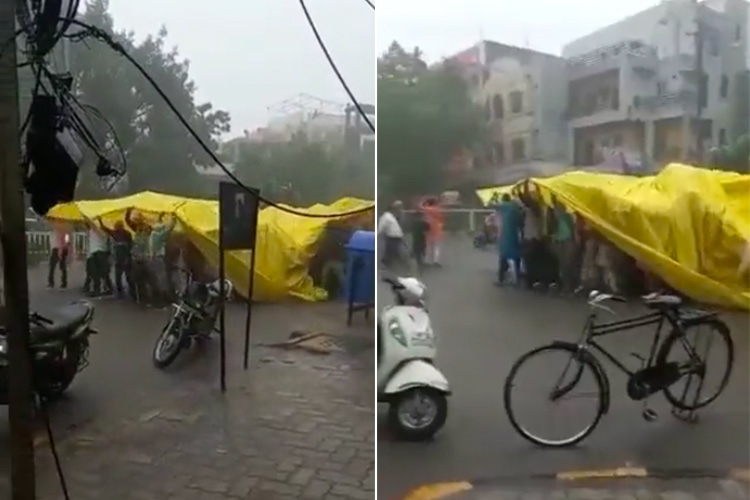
[[299, 426], [617, 489]]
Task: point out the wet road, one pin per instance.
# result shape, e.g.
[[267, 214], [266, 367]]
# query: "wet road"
[[483, 329], [121, 382]]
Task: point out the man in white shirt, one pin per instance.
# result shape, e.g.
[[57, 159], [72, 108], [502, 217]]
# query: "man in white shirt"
[[97, 262], [389, 228]]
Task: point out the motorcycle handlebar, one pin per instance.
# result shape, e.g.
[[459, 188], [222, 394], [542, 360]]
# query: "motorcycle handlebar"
[[38, 318]]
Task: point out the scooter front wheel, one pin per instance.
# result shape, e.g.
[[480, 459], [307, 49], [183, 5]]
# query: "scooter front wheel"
[[417, 414]]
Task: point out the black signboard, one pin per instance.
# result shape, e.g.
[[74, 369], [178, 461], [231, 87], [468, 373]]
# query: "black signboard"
[[238, 216]]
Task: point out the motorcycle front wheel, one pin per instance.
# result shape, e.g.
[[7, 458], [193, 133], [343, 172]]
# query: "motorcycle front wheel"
[[169, 343], [417, 414]]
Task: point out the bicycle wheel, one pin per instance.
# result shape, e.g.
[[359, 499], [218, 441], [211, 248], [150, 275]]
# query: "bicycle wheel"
[[703, 337], [577, 368]]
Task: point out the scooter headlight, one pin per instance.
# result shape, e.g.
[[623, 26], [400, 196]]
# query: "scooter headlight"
[[3, 346], [397, 333]]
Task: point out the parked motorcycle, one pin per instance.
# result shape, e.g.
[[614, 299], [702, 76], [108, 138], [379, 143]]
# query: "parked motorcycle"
[[193, 320], [59, 348]]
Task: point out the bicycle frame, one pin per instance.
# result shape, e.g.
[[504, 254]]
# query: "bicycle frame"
[[592, 330]]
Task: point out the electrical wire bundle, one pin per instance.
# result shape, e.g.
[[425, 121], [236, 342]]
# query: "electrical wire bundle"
[[94, 32], [57, 124]]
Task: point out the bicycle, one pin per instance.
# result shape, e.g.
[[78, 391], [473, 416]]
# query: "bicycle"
[[656, 374]]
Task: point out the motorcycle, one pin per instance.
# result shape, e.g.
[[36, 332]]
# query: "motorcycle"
[[193, 320], [488, 235], [408, 381], [59, 350]]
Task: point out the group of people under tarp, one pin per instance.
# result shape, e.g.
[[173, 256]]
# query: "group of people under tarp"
[[548, 247], [144, 258], [426, 228]]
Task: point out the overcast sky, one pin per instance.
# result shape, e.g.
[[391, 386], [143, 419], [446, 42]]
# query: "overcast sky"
[[444, 27], [246, 55]]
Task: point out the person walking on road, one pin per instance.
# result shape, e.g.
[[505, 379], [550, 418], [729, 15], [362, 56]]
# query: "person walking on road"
[[419, 230], [59, 254], [390, 229], [122, 244], [434, 216], [509, 242]]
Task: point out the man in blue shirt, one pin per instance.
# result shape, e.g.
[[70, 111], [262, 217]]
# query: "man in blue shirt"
[[510, 219]]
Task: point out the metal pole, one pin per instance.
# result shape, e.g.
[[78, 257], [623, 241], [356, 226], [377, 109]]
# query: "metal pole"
[[699, 46], [222, 314], [13, 229]]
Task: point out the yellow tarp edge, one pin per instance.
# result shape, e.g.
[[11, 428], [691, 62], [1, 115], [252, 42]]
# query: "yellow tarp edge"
[[688, 225], [285, 242]]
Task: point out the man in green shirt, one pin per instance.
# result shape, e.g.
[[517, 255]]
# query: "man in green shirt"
[[157, 243], [565, 247], [142, 280]]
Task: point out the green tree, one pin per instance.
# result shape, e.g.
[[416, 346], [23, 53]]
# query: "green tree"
[[160, 152], [302, 172], [735, 156], [425, 116]]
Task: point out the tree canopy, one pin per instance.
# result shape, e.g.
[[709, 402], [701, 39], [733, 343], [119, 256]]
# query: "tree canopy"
[[425, 117], [302, 172], [160, 152]]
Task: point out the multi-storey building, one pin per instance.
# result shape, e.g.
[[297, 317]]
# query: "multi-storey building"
[[522, 92], [665, 84]]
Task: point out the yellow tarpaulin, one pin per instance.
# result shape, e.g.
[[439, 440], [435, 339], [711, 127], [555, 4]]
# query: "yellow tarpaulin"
[[285, 242], [687, 225]]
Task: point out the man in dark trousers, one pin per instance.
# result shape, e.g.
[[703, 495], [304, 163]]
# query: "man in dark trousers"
[[122, 246]]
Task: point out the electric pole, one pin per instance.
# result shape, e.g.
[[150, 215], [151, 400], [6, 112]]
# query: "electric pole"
[[700, 42], [13, 237]]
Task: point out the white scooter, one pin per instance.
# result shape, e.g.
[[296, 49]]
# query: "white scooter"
[[408, 381]]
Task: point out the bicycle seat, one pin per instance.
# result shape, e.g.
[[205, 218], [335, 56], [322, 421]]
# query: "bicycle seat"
[[62, 325], [596, 297], [662, 301]]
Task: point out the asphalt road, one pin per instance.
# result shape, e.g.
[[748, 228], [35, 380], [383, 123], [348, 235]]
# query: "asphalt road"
[[482, 330]]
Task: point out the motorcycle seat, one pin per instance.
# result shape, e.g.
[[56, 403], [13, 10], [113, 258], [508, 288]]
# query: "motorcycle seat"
[[63, 322]]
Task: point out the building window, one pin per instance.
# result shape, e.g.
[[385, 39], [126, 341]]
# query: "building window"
[[703, 91], [519, 149], [497, 106], [498, 152], [516, 101], [722, 137], [724, 89]]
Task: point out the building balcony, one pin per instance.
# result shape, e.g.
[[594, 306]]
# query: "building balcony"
[[633, 54], [591, 110], [683, 98]]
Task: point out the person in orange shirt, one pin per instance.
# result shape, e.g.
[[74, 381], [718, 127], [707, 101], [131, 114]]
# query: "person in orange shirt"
[[434, 216]]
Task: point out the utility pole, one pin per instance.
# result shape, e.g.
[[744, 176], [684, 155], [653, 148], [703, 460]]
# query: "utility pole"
[[700, 41], [13, 236]]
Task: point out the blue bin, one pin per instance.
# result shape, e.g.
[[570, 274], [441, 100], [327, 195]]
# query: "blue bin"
[[360, 271]]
